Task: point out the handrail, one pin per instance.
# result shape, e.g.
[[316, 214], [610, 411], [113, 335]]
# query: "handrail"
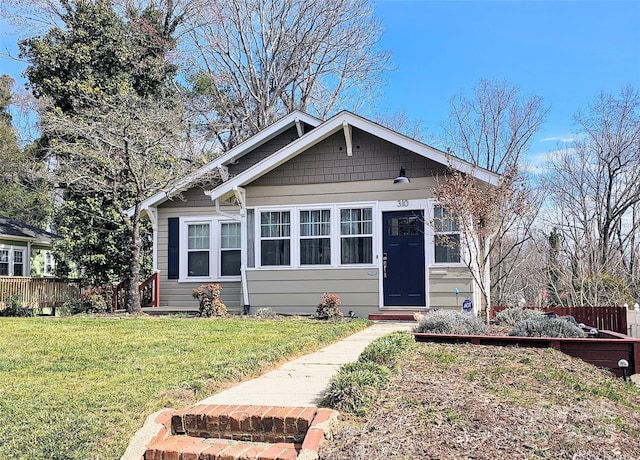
[[149, 292]]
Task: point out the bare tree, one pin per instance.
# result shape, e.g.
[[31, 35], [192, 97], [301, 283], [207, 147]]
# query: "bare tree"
[[492, 129], [482, 213], [256, 60], [595, 189], [127, 148]]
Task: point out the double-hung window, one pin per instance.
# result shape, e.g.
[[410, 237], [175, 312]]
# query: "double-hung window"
[[275, 238], [198, 250], [315, 237], [210, 248], [18, 263], [4, 262], [446, 235], [356, 236], [12, 261], [230, 249]]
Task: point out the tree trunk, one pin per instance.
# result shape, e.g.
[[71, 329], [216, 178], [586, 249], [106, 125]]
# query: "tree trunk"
[[132, 293]]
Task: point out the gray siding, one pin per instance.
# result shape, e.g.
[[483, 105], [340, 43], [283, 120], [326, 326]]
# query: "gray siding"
[[178, 294], [442, 285], [300, 291], [373, 159], [379, 190], [265, 150]]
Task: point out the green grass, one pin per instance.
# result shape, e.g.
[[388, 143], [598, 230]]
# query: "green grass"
[[78, 388]]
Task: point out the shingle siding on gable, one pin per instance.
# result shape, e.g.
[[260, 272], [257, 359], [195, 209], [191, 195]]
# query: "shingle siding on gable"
[[265, 150], [373, 159]]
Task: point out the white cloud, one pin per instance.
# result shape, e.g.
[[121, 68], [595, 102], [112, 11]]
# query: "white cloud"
[[557, 139]]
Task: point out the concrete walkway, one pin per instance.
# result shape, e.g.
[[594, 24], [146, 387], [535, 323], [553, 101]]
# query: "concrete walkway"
[[303, 381], [298, 383]]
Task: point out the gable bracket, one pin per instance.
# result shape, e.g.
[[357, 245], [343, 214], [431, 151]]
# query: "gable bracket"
[[223, 171], [241, 195], [299, 127], [346, 127]]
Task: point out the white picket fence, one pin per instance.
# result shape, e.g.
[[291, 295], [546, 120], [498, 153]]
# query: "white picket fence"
[[633, 321]]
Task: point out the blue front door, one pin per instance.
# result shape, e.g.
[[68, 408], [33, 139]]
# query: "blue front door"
[[403, 269]]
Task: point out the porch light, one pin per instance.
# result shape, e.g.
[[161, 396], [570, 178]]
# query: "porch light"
[[402, 178]]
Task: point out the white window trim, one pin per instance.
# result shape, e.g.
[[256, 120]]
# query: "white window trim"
[[334, 209], [221, 250], [432, 235], [332, 225], [25, 259], [215, 246]]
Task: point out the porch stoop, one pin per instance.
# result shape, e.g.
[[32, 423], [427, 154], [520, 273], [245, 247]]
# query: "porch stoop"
[[393, 316], [232, 432]]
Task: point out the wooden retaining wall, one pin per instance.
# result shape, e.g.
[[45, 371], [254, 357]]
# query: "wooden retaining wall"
[[612, 318], [604, 351]]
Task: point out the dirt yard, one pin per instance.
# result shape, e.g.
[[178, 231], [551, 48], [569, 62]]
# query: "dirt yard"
[[483, 402]]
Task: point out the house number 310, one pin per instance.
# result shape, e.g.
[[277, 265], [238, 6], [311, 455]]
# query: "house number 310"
[[403, 203]]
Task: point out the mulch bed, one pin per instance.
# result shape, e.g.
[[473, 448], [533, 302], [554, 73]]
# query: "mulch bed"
[[483, 402]]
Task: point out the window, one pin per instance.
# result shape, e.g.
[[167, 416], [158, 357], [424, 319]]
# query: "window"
[[4, 262], [18, 263], [315, 237], [198, 245], [405, 226], [356, 236], [209, 248], [447, 236], [275, 238], [230, 249], [13, 262]]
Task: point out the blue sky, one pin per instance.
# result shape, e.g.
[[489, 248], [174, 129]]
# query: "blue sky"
[[565, 51]]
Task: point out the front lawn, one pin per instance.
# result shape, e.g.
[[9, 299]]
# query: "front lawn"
[[79, 388]]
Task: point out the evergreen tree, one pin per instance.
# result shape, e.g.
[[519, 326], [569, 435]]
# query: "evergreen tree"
[[95, 58], [23, 187]]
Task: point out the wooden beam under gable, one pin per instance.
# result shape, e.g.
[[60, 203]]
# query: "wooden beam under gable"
[[346, 127]]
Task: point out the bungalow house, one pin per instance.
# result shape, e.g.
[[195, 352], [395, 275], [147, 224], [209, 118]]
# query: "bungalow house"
[[17, 244], [306, 207]]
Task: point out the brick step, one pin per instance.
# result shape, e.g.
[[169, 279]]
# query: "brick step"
[[229, 432], [192, 448], [244, 423]]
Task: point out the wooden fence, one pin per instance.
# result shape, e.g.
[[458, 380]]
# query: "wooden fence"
[[38, 292], [607, 318]]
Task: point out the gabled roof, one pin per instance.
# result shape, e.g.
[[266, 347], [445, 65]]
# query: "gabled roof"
[[342, 121], [11, 229], [255, 141]]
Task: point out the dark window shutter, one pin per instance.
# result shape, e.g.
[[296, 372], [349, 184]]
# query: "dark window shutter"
[[173, 269]]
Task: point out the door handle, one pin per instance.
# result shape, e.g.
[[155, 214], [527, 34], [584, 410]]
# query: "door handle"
[[384, 265]]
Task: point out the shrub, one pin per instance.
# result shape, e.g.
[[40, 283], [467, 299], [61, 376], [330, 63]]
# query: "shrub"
[[387, 350], [16, 308], [355, 386], [450, 322], [546, 327], [265, 313], [328, 308], [93, 300], [511, 316], [210, 303]]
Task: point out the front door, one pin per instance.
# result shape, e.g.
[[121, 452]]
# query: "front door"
[[403, 270]]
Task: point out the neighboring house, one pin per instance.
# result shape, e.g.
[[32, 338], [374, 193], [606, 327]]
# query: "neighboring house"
[[17, 244], [306, 207]]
